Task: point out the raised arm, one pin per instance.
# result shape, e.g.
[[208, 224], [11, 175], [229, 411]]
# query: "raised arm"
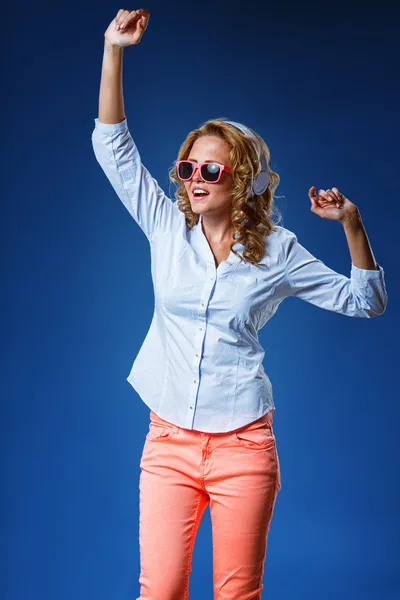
[[111, 100], [125, 30], [112, 142]]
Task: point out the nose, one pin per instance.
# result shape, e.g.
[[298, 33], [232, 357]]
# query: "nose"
[[196, 174]]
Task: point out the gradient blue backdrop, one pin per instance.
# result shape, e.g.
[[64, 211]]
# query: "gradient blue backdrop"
[[320, 84]]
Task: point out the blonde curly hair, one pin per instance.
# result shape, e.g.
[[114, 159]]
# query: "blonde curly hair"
[[251, 216]]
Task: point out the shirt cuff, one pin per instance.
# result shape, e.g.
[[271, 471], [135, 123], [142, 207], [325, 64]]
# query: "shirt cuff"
[[367, 273], [111, 127]]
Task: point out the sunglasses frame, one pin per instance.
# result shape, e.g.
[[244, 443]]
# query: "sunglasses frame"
[[198, 166]]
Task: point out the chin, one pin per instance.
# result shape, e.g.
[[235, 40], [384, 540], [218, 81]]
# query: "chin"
[[197, 206]]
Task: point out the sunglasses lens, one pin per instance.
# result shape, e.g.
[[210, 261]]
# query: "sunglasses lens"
[[210, 172], [185, 170]]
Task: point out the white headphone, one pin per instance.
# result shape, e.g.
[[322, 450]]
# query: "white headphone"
[[259, 183]]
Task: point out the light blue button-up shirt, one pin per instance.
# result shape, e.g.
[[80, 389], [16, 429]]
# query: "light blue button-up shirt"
[[200, 365]]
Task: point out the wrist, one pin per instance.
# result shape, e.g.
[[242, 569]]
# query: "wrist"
[[352, 221], [112, 47]]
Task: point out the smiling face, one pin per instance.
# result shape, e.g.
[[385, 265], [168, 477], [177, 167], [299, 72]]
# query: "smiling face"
[[209, 148]]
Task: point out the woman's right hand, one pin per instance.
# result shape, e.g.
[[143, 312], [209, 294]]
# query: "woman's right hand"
[[135, 23]]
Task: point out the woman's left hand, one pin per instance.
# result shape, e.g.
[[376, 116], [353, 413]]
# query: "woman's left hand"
[[331, 204]]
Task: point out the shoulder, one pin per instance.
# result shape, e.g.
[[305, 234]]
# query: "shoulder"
[[279, 241], [281, 233]]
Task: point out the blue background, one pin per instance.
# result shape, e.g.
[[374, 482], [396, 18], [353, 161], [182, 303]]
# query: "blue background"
[[320, 84]]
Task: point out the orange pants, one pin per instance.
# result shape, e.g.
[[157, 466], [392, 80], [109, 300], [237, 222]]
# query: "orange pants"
[[182, 471]]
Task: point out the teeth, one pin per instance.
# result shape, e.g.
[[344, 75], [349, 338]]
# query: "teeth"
[[198, 192]]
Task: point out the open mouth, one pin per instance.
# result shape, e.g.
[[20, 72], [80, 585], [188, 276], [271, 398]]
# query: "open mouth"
[[198, 197]]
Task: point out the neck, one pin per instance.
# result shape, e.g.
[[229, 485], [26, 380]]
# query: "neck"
[[217, 230]]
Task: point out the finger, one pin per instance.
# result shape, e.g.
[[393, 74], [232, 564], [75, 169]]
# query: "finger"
[[323, 197], [331, 195], [145, 15], [335, 198], [339, 196], [323, 194], [141, 23], [327, 196], [311, 193], [144, 12], [314, 204], [127, 20], [332, 198], [120, 15]]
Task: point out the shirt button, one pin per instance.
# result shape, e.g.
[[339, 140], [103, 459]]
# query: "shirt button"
[[197, 355], [194, 381], [202, 303], [201, 329]]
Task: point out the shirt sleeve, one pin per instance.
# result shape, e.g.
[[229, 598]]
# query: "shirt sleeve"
[[140, 193], [363, 294]]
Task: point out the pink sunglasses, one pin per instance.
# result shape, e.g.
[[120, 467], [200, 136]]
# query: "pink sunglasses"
[[209, 172]]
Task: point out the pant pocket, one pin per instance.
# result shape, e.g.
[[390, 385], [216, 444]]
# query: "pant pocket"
[[263, 437], [161, 431]]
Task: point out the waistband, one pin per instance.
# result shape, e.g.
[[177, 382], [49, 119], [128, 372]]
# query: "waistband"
[[264, 419]]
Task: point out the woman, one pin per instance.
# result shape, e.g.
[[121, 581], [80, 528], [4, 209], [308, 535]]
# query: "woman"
[[220, 269]]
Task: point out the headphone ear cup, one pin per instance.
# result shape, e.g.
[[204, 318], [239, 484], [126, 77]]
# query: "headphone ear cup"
[[261, 182]]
